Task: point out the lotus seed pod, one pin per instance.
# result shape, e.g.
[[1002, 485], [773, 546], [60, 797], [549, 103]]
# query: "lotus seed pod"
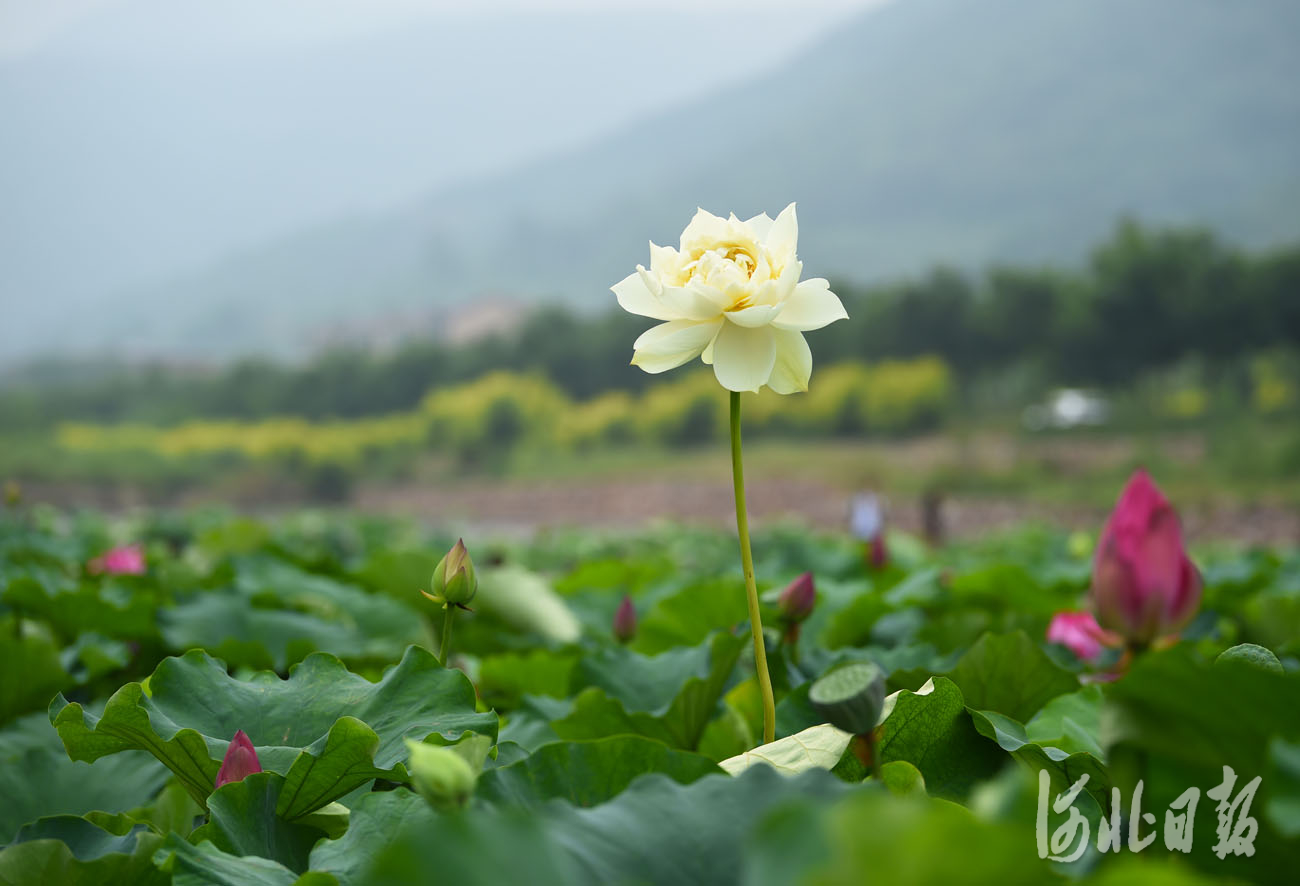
[[1250, 654], [851, 697]]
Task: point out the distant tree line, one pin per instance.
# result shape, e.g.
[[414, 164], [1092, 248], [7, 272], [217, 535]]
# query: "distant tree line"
[[1144, 300]]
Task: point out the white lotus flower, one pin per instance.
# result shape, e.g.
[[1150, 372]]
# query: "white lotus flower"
[[732, 296]]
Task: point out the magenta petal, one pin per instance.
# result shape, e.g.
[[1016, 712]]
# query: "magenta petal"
[[240, 761], [1079, 632], [122, 560], [797, 600], [1143, 585], [625, 621]]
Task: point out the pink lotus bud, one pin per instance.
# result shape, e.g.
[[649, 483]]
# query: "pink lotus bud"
[[1081, 633], [121, 560], [877, 553], [241, 760], [1143, 585], [796, 601], [625, 621]]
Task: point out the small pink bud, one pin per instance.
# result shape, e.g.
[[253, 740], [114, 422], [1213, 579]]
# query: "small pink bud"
[[241, 761], [796, 601], [1143, 584], [1080, 632], [625, 621], [877, 553], [121, 560]]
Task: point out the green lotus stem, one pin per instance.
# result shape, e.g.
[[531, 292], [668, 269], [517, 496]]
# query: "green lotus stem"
[[751, 589], [446, 635]]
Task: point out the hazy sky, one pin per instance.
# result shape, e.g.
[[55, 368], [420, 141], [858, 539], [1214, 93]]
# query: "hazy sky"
[[148, 138], [27, 26]]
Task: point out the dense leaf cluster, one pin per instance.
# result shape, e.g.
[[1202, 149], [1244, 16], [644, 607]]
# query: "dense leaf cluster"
[[610, 762], [1145, 300]]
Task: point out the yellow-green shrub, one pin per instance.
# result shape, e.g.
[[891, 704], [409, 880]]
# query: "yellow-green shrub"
[[690, 409], [487, 417], [609, 419], [1274, 383], [906, 395], [336, 441], [850, 398], [493, 413]]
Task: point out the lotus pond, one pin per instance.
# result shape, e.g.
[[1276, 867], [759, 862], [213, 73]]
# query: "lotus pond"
[[601, 707]]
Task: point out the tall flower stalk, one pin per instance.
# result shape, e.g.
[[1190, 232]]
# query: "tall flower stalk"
[[730, 295], [751, 587]]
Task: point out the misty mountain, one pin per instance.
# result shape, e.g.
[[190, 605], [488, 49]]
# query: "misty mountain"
[[920, 132], [154, 137]]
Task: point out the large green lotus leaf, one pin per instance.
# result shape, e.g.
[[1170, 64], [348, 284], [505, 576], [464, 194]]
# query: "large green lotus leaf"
[[92, 656], [507, 677], [817, 747], [243, 822], [669, 697], [1175, 721], [877, 837], [264, 579], [902, 778], [931, 729], [1010, 674], [587, 773], [1007, 586], [851, 623], [529, 724], [728, 734], [377, 820], [788, 841], [526, 602], [1062, 767], [72, 851], [618, 573], [173, 809], [206, 865], [327, 730], [276, 614], [655, 832], [397, 573], [833, 597], [1071, 722], [30, 755], [1283, 809], [121, 607], [652, 683], [491, 849], [692, 613], [594, 714], [30, 651]]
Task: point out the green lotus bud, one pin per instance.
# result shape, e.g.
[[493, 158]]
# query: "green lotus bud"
[[1250, 654], [453, 582], [850, 698], [443, 777]]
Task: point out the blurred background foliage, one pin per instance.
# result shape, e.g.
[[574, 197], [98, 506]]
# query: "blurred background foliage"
[[1173, 328], [1147, 300]]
